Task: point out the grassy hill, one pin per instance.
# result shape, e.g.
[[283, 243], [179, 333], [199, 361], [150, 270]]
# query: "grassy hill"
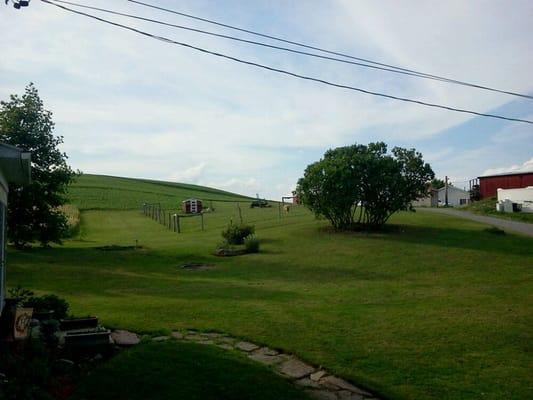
[[435, 307], [101, 192]]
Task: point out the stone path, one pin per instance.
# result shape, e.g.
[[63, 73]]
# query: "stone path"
[[520, 227], [317, 382]]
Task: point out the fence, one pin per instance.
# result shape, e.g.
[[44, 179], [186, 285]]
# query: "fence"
[[217, 214]]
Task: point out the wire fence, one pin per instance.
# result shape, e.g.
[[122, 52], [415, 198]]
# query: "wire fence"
[[217, 214]]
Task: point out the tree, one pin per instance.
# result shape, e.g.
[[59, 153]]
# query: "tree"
[[33, 214], [437, 183], [362, 186]]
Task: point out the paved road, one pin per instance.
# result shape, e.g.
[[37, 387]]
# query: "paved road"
[[505, 224]]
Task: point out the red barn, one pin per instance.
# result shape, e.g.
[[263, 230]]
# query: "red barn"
[[489, 185]]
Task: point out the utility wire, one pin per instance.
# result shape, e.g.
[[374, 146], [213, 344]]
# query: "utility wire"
[[244, 40], [411, 71], [281, 71]]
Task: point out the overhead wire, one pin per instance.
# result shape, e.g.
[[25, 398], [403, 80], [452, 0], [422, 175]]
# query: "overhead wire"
[[299, 44], [282, 71]]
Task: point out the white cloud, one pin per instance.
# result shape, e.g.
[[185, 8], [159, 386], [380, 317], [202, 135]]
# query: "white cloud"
[[128, 105], [527, 166]]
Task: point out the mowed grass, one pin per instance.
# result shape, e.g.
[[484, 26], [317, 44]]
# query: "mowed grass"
[[432, 308], [172, 370]]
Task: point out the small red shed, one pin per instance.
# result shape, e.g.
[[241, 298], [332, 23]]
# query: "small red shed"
[[192, 206], [489, 185]]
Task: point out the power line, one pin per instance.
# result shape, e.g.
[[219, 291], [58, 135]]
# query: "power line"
[[281, 71], [245, 40], [411, 71]]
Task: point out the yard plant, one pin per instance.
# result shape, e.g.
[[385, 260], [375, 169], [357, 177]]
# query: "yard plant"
[[363, 185]]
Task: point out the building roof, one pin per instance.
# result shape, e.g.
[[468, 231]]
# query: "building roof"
[[507, 174], [15, 164], [451, 187]]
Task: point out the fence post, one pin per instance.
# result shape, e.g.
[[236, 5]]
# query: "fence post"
[[202, 216], [240, 212], [178, 219]]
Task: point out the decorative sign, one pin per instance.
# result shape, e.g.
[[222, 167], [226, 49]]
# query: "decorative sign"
[[22, 322]]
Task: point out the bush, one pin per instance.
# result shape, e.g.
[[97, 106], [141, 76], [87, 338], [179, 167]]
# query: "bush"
[[251, 243], [49, 302], [235, 234]]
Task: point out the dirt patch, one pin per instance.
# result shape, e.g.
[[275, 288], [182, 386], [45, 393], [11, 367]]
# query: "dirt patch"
[[197, 266], [115, 247]]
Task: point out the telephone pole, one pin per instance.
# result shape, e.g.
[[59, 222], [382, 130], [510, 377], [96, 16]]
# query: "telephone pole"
[[446, 191]]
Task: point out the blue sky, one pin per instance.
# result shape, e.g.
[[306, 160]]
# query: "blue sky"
[[131, 106]]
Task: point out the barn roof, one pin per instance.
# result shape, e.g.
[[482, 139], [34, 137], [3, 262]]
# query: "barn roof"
[[510, 173]]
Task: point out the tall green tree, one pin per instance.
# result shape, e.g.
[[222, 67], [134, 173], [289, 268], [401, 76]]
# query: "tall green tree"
[[33, 214], [363, 185]]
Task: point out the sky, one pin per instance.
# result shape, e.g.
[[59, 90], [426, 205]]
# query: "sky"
[[128, 105]]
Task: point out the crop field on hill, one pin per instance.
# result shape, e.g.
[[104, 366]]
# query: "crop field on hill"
[[431, 308]]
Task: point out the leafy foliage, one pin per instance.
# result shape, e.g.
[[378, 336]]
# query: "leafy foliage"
[[49, 302], [33, 213], [363, 185], [251, 244], [235, 234], [437, 183]]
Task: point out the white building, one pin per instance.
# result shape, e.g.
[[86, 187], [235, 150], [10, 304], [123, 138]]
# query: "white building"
[[522, 196], [15, 167], [456, 197]]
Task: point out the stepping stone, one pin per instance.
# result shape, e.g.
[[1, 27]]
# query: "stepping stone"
[[206, 342], [317, 375], [228, 340], [306, 382], [267, 351], [125, 338], [196, 338], [225, 346], [337, 383], [347, 395], [177, 335], [213, 335], [246, 346], [321, 395], [265, 359], [160, 338], [295, 368]]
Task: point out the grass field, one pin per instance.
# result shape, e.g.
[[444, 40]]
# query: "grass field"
[[433, 308], [171, 370]]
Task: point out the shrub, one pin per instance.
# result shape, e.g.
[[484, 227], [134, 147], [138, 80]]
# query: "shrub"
[[251, 243], [235, 234], [49, 302], [73, 219], [495, 230], [20, 295]]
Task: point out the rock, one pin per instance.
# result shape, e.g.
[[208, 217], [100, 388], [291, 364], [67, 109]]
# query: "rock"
[[338, 383], [347, 395], [295, 368], [317, 375], [125, 338], [206, 342], [213, 335], [225, 346], [246, 346], [160, 338], [177, 335], [306, 382], [265, 359], [195, 338], [321, 395], [98, 357], [228, 340], [267, 351]]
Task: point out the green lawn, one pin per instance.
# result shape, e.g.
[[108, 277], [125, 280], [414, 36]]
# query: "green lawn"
[[172, 370], [433, 308]]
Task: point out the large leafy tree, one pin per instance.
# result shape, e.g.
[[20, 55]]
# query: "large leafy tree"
[[33, 213], [363, 185]]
